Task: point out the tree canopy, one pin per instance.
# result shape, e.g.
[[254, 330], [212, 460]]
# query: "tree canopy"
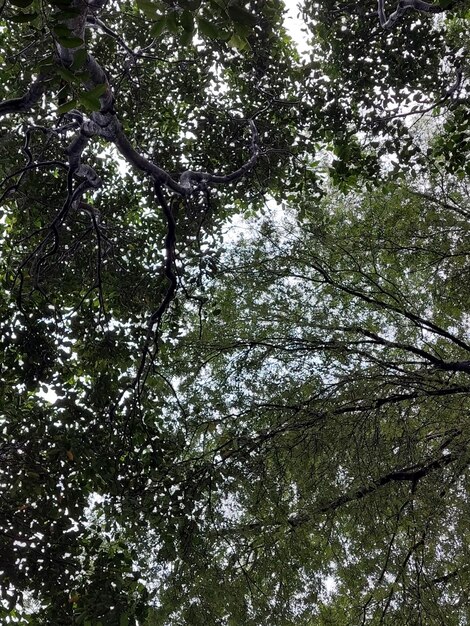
[[234, 313]]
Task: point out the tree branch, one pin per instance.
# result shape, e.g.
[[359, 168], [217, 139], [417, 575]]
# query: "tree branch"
[[402, 7], [107, 125], [190, 176], [411, 474], [100, 25], [23, 104], [419, 321]]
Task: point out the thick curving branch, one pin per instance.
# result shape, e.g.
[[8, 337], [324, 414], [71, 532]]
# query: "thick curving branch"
[[156, 318], [190, 177], [412, 474], [105, 124], [26, 102], [402, 8]]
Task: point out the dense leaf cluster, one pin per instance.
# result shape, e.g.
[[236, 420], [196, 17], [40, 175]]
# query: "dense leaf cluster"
[[234, 314]]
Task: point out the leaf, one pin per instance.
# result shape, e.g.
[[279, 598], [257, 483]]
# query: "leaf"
[[98, 91], [83, 76], [79, 58], [186, 38], [210, 30], [148, 8], [172, 22], [124, 619], [242, 30], [66, 14], [159, 26], [70, 42], [187, 21], [61, 30], [241, 15], [68, 106], [22, 18], [91, 99], [22, 4], [240, 43], [192, 5], [91, 103], [46, 67], [66, 74]]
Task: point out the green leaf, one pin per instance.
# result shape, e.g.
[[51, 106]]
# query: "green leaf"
[[240, 43], [124, 619], [61, 30], [210, 30], [47, 66], [66, 74], [22, 4], [22, 18], [70, 42], [172, 22], [242, 30], [79, 58], [148, 7], [187, 21], [241, 15], [192, 5], [91, 99], [83, 76], [90, 102], [68, 106], [66, 14], [98, 91], [159, 26], [185, 38]]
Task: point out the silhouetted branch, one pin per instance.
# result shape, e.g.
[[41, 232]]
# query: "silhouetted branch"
[[23, 104], [402, 7]]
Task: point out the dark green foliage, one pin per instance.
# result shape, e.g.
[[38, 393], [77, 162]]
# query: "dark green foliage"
[[204, 428]]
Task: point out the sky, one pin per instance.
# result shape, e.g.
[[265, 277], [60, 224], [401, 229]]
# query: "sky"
[[294, 25]]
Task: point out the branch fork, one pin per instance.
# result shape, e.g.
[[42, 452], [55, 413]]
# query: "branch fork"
[[402, 7]]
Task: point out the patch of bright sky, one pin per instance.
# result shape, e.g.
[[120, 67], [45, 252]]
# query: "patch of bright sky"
[[295, 26]]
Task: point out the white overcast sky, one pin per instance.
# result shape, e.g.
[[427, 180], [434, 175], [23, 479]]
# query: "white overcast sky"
[[294, 25]]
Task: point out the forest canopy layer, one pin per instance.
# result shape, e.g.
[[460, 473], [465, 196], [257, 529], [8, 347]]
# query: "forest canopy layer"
[[234, 313]]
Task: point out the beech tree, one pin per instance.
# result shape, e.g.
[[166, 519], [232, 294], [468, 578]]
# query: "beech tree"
[[203, 429]]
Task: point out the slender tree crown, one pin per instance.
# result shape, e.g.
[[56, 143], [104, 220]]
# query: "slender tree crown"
[[234, 313]]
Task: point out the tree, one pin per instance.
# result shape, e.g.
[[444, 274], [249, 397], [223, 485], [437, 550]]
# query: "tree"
[[340, 383], [247, 448]]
